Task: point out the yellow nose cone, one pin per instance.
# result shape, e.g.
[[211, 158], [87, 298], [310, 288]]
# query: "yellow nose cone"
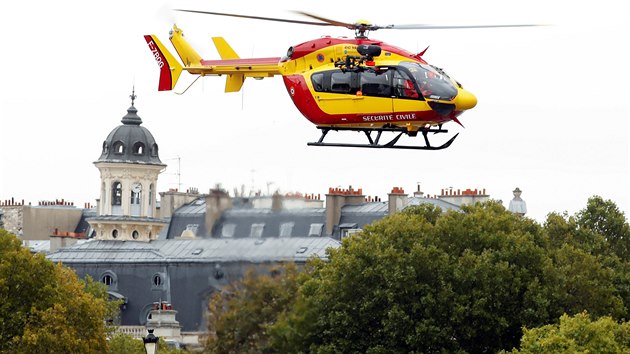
[[465, 100]]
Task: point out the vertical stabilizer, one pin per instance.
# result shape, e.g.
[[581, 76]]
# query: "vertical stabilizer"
[[170, 68], [189, 56]]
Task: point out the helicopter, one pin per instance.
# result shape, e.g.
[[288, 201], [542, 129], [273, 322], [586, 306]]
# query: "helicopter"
[[339, 84]]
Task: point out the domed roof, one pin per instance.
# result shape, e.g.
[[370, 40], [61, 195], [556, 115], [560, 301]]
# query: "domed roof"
[[130, 142]]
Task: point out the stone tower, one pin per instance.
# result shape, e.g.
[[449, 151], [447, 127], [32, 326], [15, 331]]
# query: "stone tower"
[[129, 165], [517, 204]]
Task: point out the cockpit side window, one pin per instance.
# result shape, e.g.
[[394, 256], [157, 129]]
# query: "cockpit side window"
[[404, 86]]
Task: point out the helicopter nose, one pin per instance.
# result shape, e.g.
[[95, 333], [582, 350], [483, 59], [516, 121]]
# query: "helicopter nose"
[[465, 100]]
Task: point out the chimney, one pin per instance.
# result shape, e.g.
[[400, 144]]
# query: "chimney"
[[217, 201], [335, 200], [419, 193], [397, 200], [276, 202]]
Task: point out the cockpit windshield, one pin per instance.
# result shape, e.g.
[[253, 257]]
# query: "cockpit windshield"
[[432, 82]]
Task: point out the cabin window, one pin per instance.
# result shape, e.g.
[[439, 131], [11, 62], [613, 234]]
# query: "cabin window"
[[335, 81], [376, 83], [341, 82]]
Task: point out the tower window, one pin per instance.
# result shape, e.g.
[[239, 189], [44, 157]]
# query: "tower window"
[[154, 150], [105, 147], [119, 147], [138, 148], [117, 193]]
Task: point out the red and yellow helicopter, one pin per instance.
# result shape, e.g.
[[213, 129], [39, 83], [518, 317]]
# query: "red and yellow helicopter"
[[339, 84]]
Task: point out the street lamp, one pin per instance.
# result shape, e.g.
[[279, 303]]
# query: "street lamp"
[[150, 342]]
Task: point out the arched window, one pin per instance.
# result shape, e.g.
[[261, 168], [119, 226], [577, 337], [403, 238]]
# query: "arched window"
[[154, 150], [110, 279], [138, 148], [117, 193], [119, 147]]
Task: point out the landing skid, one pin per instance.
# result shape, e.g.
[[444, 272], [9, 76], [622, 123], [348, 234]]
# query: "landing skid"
[[375, 143]]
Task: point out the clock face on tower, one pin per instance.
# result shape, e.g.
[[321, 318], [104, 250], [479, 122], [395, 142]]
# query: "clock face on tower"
[[136, 187]]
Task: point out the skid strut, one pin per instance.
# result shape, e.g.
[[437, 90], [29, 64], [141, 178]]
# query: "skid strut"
[[375, 142]]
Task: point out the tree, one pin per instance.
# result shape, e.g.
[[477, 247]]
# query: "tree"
[[241, 314], [577, 334], [44, 307], [455, 282], [604, 218]]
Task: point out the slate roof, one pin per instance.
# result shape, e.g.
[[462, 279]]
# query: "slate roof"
[[255, 250]]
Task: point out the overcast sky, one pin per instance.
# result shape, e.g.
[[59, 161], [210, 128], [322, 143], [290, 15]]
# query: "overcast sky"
[[552, 117]]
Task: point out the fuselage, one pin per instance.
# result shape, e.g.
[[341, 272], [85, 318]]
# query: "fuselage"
[[395, 88]]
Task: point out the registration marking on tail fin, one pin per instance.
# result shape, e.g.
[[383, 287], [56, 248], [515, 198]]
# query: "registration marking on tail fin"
[[170, 69]]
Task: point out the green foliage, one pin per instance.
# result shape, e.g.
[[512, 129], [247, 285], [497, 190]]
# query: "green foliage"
[[423, 281], [44, 307], [240, 316], [604, 218], [577, 334], [427, 282], [125, 344]]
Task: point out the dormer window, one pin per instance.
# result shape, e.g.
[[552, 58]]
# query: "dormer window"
[[105, 147], [154, 150], [256, 230], [138, 148], [119, 147]]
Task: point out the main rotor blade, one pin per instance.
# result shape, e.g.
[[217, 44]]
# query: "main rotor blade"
[[419, 26], [258, 17], [327, 20]]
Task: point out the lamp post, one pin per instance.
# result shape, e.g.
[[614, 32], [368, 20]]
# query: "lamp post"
[[150, 342]]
